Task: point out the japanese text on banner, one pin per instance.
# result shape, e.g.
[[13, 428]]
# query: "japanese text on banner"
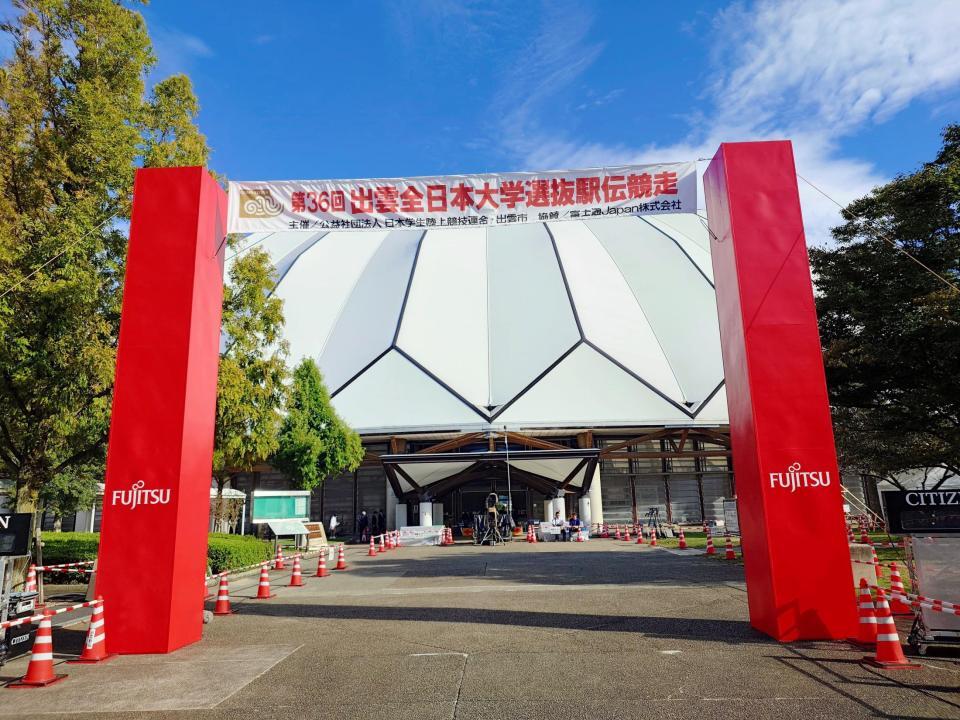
[[460, 200]]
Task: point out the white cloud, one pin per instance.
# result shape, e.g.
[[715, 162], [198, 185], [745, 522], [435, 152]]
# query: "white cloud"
[[811, 71], [176, 51]]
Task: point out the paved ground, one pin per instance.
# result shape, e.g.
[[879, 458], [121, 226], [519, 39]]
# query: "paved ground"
[[598, 630]]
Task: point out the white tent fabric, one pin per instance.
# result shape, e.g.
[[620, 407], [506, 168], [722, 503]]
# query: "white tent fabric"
[[606, 321]]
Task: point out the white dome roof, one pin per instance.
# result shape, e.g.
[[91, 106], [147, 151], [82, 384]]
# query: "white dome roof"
[[576, 323]]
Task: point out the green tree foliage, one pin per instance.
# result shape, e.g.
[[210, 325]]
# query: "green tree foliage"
[[314, 442], [253, 370], [890, 328], [75, 121]]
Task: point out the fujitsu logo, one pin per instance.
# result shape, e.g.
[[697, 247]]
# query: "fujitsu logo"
[[137, 495], [794, 478]]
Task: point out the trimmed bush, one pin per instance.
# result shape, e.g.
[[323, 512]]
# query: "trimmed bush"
[[65, 547], [226, 552]]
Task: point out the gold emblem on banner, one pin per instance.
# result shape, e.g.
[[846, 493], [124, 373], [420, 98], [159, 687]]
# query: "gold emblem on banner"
[[258, 203]]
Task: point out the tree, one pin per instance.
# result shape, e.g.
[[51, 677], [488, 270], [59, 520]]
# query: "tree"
[[890, 322], [73, 489], [314, 442], [74, 124], [250, 384]]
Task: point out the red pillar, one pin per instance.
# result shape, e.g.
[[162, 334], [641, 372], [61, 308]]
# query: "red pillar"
[[156, 503], [797, 563]]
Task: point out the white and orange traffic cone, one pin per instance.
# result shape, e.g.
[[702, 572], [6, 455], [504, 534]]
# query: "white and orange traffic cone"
[[653, 537], [341, 561], [31, 584], [322, 564], [390, 541], [626, 534], [383, 544], [864, 538], [263, 587], [850, 537], [95, 646], [40, 670], [278, 560], [730, 554], [889, 655], [580, 535], [682, 545], [223, 598], [618, 536], [640, 535], [867, 616], [296, 575], [397, 542], [898, 593], [372, 552], [711, 550], [877, 569], [529, 533]]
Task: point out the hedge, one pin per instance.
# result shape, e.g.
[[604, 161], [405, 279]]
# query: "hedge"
[[224, 551], [65, 547]]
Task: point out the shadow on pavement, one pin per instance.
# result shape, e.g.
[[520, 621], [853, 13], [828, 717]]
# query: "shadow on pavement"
[[730, 631]]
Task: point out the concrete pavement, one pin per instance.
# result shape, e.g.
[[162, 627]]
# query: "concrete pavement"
[[594, 630]]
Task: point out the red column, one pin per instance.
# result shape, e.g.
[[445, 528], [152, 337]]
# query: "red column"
[[156, 503], [797, 563]]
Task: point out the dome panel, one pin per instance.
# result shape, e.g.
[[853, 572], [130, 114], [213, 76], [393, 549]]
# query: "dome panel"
[[609, 312], [367, 322], [686, 325], [318, 285], [690, 233], [586, 388], [444, 325], [393, 392], [530, 318]]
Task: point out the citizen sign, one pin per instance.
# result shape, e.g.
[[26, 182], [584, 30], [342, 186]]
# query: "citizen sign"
[[138, 495], [795, 478], [924, 499]]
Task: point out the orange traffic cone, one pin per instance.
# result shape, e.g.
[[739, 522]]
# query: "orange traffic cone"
[[31, 584], [223, 598], [383, 544], [341, 561], [626, 534], [580, 535], [389, 541], [95, 648], [653, 537], [867, 625], [682, 545], [730, 555], [278, 560], [617, 536], [898, 593], [533, 533], [889, 655], [864, 538], [263, 589], [296, 576], [850, 534], [711, 550], [322, 564], [529, 533], [372, 552], [876, 564], [397, 542], [40, 670]]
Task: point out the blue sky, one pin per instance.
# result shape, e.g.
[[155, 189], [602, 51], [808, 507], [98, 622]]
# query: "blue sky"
[[351, 90]]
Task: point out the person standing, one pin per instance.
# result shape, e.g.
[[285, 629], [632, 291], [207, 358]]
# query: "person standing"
[[333, 525]]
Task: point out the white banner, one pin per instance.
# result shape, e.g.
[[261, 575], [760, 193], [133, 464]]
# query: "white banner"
[[459, 200]]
